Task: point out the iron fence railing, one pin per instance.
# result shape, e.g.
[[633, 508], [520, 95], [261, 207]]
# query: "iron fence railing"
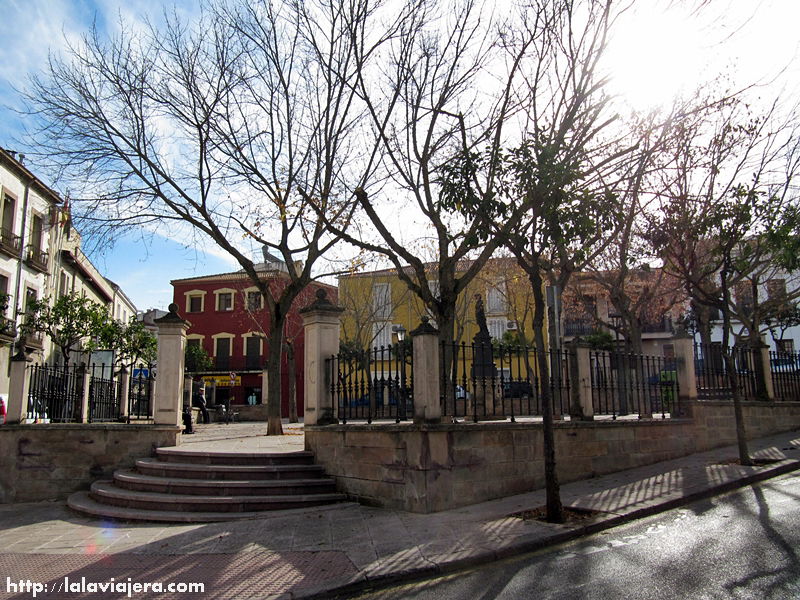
[[103, 394], [785, 369], [633, 384], [55, 393], [482, 381], [140, 393], [711, 372], [372, 384]]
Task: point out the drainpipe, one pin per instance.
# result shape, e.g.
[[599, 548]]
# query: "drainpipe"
[[18, 309]]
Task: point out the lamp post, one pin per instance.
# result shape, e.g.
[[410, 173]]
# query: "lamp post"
[[400, 367]]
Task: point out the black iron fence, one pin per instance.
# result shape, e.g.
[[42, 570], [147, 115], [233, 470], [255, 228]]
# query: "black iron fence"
[[712, 374], [140, 393], [55, 393], [633, 384], [489, 381], [103, 394], [372, 384], [785, 368]]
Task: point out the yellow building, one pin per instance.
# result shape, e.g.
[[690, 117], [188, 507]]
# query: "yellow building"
[[378, 305]]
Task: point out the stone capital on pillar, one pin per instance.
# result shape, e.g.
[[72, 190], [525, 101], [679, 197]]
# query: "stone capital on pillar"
[[321, 323], [171, 347], [427, 401]]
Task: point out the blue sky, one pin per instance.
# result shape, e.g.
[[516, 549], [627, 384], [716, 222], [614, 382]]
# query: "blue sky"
[[652, 55], [34, 27]]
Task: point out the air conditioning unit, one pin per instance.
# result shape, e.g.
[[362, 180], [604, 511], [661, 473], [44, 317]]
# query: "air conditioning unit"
[[511, 325]]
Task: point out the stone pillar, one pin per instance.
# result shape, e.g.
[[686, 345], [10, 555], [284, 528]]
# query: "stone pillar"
[[86, 381], [171, 347], [427, 401], [684, 365], [124, 391], [764, 385], [581, 407], [264, 385], [321, 322], [17, 409]]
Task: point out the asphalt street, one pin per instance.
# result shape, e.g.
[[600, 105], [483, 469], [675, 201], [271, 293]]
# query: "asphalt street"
[[743, 545]]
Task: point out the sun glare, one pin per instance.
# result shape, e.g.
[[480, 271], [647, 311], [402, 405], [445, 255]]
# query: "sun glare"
[[655, 55]]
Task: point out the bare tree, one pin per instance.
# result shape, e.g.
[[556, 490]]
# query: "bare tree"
[[228, 128], [729, 221]]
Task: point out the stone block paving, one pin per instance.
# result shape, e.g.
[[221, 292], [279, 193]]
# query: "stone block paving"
[[302, 553]]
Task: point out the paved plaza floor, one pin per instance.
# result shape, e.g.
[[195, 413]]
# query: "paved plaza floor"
[[302, 553]]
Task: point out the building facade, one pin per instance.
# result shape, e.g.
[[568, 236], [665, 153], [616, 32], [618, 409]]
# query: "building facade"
[[229, 321], [40, 257]]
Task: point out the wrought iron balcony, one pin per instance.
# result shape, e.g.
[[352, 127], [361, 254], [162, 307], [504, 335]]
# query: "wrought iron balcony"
[[579, 327], [37, 258], [9, 243]]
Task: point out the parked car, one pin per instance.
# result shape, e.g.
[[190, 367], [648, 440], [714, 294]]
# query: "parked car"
[[517, 389]]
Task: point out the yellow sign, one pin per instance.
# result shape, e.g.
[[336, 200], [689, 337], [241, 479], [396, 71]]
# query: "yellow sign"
[[223, 380]]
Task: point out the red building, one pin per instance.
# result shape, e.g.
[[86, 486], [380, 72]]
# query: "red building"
[[229, 321]]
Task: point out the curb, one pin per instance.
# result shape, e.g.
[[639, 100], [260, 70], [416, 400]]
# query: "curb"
[[362, 581]]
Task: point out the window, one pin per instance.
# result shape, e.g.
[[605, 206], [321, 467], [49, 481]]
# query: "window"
[[195, 304], [195, 301], [776, 289], [743, 293], [497, 327], [252, 351], [225, 301], [30, 298], [784, 345], [37, 226], [222, 353], [4, 297], [436, 290], [381, 334], [382, 300], [8, 215], [193, 342], [253, 301], [496, 299], [63, 284]]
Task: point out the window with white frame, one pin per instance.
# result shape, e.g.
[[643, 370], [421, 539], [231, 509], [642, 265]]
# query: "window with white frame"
[[381, 334], [436, 290], [382, 300], [496, 298], [224, 300], [497, 327]]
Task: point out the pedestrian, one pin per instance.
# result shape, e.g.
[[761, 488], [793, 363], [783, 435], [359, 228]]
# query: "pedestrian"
[[199, 401]]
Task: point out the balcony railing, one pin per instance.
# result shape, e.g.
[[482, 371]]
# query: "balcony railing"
[[579, 327], [234, 363], [8, 328], [37, 258], [662, 326], [9, 243]]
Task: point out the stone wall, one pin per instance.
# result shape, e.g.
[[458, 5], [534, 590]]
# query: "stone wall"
[[42, 462], [427, 468]]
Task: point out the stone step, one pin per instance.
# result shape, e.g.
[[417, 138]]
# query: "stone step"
[[106, 492], [84, 503], [159, 468], [132, 480], [201, 457]]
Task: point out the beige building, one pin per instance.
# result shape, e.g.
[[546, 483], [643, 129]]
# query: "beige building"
[[40, 257]]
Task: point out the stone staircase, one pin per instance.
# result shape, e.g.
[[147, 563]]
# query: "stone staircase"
[[198, 486]]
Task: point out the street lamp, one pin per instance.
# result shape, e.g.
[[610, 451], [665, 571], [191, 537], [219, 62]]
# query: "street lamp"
[[400, 331]]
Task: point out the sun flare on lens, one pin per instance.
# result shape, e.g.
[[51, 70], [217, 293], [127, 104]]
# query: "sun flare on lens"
[[654, 55]]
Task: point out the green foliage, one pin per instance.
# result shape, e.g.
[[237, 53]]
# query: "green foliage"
[[196, 359], [600, 340], [132, 343], [72, 322]]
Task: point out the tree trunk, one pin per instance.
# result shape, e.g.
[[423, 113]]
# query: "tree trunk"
[[292, 372], [274, 426], [555, 512], [730, 367]]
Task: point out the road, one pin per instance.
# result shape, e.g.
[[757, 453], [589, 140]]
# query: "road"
[[744, 544]]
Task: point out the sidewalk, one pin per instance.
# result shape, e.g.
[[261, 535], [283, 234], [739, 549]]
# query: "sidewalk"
[[299, 554]]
